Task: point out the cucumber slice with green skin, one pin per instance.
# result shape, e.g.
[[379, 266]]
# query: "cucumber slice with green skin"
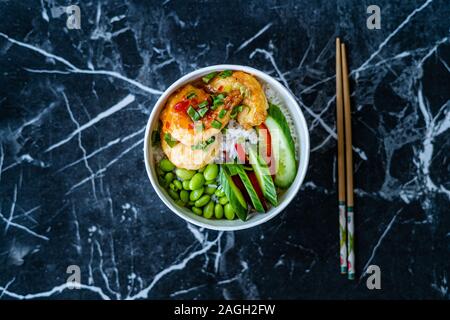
[[257, 204], [233, 194], [283, 147], [262, 173]]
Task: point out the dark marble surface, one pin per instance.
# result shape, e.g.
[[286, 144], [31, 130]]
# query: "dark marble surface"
[[73, 188]]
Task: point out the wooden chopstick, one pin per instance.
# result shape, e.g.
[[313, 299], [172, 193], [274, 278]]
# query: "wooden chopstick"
[[348, 165], [341, 161]]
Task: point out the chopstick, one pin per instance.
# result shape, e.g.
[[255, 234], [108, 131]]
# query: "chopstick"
[[348, 166], [341, 161]]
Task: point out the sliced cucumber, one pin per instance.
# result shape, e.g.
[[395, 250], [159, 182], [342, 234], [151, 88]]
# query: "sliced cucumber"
[[263, 175], [257, 204], [233, 194], [283, 147]]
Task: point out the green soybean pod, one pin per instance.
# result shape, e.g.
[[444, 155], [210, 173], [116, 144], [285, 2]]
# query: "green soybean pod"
[[218, 211], [208, 210], [197, 211], [184, 196], [223, 200], [196, 194], [210, 190], [219, 193], [184, 174], [178, 184], [169, 177], [166, 165], [203, 200], [229, 212], [186, 184], [173, 194], [197, 181], [211, 171]]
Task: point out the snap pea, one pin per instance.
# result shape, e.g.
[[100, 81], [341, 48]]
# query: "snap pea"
[[202, 200], [166, 165], [196, 194], [208, 210], [184, 196], [169, 177], [223, 200], [184, 174], [180, 202], [197, 181], [219, 193], [229, 212], [173, 194], [197, 211], [186, 184], [178, 184], [210, 190], [218, 211], [211, 171]]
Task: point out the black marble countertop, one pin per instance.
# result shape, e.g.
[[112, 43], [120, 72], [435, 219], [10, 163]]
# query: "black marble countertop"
[[74, 191]]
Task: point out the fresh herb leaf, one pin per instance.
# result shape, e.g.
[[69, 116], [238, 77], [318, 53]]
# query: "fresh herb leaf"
[[226, 73], [191, 95], [193, 113], [216, 124], [203, 104], [222, 113], [170, 141], [209, 77]]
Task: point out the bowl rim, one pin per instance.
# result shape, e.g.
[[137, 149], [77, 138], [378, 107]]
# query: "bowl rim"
[[301, 172]]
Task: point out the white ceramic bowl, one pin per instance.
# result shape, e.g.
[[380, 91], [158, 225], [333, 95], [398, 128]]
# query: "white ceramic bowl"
[[301, 130]]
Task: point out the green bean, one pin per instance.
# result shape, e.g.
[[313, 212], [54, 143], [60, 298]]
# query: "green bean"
[[178, 184], [173, 194], [166, 165], [197, 211], [197, 181], [218, 211], [223, 200], [219, 193], [180, 202], [196, 194], [208, 210], [169, 177], [211, 171], [229, 212], [184, 196], [202, 201], [184, 174], [210, 190], [186, 184]]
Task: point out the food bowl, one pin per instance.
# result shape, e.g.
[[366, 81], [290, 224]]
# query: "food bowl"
[[302, 146]]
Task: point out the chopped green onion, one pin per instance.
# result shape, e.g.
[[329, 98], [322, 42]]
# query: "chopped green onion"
[[216, 124], [170, 141], [220, 96], [193, 114], [200, 126], [222, 113], [226, 73], [203, 145], [202, 112], [209, 76], [235, 111], [203, 104], [191, 95]]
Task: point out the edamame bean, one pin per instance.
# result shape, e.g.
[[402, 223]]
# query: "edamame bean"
[[211, 182], [208, 210], [201, 169], [210, 190], [159, 171], [223, 200], [191, 203], [186, 184], [184, 174], [162, 182], [211, 171], [178, 184], [197, 211], [197, 181], [196, 194], [202, 201], [218, 211], [169, 177], [174, 195], [172, 187], [229, 212], [180, 203], [184, 196], [219, 193], [166, 165]]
